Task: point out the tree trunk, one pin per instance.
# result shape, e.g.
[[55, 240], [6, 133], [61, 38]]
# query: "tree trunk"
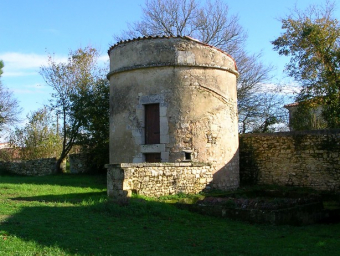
[[58, 164]]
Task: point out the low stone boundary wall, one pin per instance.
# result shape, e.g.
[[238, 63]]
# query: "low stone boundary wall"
[[78, 163], [156, 179], [305, 159], [37, 167]]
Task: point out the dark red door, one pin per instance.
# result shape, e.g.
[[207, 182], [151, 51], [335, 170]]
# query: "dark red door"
[[152, 124]]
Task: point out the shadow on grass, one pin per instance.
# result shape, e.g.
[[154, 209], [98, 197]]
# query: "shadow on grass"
[[66, 179], [66, 198], [103, 228], [87, 224], [153, 228]]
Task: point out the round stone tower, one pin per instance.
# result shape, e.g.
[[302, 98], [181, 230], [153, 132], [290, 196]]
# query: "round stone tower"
[[173, 99]]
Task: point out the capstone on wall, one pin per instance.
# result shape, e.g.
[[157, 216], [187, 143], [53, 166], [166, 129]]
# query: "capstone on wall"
[[195, 87], [304, 159]]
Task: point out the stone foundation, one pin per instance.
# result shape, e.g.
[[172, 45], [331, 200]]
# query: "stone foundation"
[[157, 179]]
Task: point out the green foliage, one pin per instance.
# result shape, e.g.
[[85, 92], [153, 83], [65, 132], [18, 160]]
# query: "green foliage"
[[6, 155], [180, 198], [307, 117], [73, 82], [1, 66], [94, 138], [312, 40], [39, 138]]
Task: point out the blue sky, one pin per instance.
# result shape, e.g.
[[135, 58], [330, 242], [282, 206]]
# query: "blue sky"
[[32, 28]]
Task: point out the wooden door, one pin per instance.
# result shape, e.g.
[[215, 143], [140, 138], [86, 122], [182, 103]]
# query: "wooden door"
[[152, 124]]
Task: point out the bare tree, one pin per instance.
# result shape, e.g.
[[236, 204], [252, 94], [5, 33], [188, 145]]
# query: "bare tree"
[[9, 106], [255, 100], [211, 23]]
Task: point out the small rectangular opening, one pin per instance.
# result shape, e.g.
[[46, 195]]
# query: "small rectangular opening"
[[153, 157], [187, 156]]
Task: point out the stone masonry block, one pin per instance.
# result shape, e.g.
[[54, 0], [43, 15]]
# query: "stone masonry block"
[[164, 126], [162, 111], [165, 138], [137, 160], [165, 156], [152, 148]]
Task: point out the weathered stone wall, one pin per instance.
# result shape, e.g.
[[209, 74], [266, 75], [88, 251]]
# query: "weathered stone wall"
[[37, 167], [78, 163], [157, 179], [305, 159], [195, 87]]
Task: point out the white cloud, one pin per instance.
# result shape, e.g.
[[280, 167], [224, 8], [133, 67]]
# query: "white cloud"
[[103, 58], [32, 89], [28, 64], [289, 88], [23, 64], [22, 60]]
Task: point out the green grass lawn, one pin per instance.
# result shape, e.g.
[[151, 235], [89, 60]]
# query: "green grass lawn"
[[70, 215]]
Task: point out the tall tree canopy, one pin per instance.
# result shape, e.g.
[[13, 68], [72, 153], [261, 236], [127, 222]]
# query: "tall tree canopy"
[[312, 39], [74, 82], [94, 138], [211, 23]]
